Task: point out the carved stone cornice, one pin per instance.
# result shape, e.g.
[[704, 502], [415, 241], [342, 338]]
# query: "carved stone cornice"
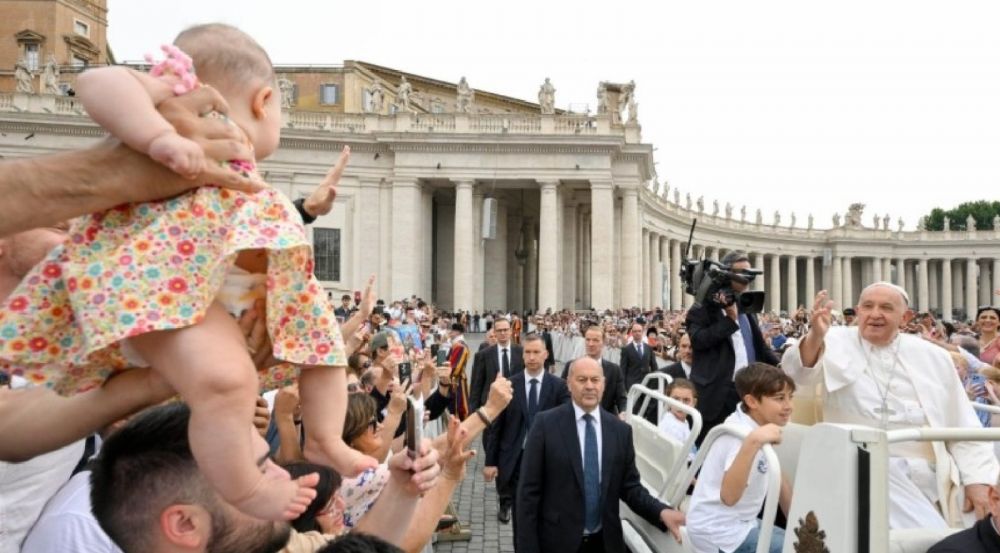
[[501, 148], [64, 128]]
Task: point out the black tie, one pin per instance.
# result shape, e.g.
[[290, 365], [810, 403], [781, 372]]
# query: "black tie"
[[506, 364], [638, 346], [532, 400]]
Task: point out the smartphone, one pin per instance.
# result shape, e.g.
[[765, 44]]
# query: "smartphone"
[[357, 297], [442, 357], [414, 426], [405, 371]]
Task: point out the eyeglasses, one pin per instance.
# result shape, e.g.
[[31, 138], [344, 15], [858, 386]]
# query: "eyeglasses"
[[352, 388]]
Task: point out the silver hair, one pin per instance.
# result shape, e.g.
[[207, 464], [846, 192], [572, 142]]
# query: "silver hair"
[[898, 289]]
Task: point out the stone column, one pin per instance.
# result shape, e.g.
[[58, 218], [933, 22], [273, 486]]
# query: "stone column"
[[901, 273], [810, 282], [923, 281], [588, 259], [971, 278], [876, 271], [569, 247], [849, 298], [714, 254], [758, 263], [933, 299], [774, 286], [384, 279], [644, 271], [531, 267], [837, 290], [946, 305], [602, 211], [630, 274], [886, 269], [548, 247], [957, 272], [478, 251], [654, 271], [371, 256], [792, 286], [664, 267], [676, 287], [406, 266], [464, 246], [985, 278]]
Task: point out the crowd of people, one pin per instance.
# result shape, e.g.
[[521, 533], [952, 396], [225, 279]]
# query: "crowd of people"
[[135, 343]]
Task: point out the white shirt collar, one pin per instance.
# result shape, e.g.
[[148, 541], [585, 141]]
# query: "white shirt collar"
[[580, 413]]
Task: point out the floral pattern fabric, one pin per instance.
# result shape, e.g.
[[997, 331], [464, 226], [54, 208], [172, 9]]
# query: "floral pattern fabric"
[[156, 266]]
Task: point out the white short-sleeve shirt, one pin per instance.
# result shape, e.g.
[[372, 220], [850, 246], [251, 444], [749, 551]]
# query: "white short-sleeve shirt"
[[711, 524]]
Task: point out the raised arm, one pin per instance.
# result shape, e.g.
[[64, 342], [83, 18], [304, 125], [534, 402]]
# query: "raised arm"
[[43, 191]]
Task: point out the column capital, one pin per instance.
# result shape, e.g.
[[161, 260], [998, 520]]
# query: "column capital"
[[602, 184], [465, 183], [548, 183]]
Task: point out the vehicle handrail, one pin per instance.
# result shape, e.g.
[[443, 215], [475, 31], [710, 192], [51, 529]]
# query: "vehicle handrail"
[[986, 407], [664, 380], [943, 435], [773, 479]]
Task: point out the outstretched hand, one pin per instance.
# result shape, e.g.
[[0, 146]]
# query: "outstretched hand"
[[320, 202], [822, 314]]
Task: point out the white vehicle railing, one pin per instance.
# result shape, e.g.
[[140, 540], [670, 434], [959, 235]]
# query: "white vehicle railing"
[[876, 442], [670, 486], [773, 479]]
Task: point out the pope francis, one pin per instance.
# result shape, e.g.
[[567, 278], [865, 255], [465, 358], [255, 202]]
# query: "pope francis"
[[874, 375]]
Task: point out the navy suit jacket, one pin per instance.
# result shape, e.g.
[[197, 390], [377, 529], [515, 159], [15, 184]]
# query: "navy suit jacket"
[[634, 367], [508, 431], [550, 500], [485, 366]]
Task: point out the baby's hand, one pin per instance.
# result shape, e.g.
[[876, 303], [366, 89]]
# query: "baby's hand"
[[180, 155]]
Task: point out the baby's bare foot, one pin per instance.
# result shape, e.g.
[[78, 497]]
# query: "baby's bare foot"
[[348, 462], [279, 499]]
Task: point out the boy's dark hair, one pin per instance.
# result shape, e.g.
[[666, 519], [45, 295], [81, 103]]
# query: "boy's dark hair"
[[356, 542], [761, 379]]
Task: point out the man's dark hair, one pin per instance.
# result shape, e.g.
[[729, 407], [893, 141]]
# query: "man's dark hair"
[[356, 542], [143, 468], [734, 256], [501, 320], [761, 379], [345, 297]]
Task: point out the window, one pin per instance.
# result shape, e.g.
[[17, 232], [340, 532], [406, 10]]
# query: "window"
[[366, 100], [31, 55], [328, 94], [80, 62], [326, 251], [81, 28]]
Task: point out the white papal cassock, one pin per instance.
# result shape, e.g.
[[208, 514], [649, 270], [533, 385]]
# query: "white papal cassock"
[[917, 384]]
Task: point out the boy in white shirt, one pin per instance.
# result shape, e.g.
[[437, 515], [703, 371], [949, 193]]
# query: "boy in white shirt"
[[733, 482]]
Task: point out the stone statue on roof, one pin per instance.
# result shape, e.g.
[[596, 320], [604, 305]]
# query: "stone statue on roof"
[[376, 98], [287, 88], [403, 95], [463, 103], [602, 97], [24, 78], [50, 77], [547, 98]]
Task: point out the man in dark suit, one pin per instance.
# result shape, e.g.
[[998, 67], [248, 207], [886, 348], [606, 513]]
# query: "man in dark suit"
[[637, 358], [682, 368], [505, 357], [613, 400], [716, 332], [535, 390], [981, 538], [578, 462]]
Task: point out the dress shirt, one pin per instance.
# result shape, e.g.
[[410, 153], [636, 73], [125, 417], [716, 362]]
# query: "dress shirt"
[[581, 433], [740, 351], [527, 385], [510, 358]]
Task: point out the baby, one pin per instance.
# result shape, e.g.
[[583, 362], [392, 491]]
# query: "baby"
[[158, 278]]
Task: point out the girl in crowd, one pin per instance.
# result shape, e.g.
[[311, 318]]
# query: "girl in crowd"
[[988, 320], [158, 278]]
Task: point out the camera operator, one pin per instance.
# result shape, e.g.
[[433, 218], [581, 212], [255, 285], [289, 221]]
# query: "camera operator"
[[723, 341]]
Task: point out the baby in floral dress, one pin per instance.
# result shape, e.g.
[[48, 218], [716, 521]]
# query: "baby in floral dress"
[[152, 278]]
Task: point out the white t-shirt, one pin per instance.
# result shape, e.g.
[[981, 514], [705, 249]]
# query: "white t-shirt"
[[711, 524], [676, 429], [67, 524], [25, 487]]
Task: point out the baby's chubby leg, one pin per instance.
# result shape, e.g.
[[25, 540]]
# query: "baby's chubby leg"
[[209, 366], [323, 393]]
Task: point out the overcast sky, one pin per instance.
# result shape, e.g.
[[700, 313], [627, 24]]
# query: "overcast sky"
[[790, 105]]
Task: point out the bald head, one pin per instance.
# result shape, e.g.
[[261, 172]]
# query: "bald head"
[[586, 383]]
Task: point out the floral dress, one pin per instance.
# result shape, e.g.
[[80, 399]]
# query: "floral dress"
[[156, 266]]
